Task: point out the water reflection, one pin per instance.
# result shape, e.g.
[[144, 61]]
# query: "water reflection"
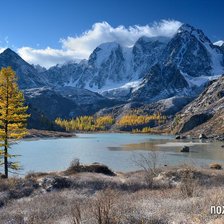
[[198, 149]]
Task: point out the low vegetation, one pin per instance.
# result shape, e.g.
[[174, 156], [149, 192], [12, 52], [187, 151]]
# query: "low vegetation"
[[176, 195]]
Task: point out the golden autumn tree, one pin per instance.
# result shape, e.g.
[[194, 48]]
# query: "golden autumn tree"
[[13, 116]]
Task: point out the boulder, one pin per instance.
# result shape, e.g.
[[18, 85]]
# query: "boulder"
[[220, 138], [185, 149], [215, 166], [202, 136]]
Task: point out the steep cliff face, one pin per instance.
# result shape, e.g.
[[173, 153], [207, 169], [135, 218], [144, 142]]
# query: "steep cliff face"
[[161, 83], [205, 113]]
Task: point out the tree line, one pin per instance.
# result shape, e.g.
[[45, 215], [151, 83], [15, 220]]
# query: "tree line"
[[86, 123], [103, 123]]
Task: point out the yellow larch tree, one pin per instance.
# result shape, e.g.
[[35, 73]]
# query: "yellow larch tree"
[[13, 117]]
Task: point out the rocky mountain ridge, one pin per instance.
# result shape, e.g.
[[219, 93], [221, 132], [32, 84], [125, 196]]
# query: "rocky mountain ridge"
[[189, 57], [205, 114], [156, 72]]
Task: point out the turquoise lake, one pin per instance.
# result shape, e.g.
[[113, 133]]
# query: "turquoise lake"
[[117, 150]]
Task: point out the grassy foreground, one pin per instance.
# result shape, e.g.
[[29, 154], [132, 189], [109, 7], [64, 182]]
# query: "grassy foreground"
[[94, 194]]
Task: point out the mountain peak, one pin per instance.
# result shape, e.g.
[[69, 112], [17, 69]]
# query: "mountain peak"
[[186, 27], [103, 52], [108, 45], [9, 51], [190, 30], [10, 55]]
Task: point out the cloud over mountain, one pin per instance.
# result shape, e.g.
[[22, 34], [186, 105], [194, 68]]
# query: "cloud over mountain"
[[80, 47]]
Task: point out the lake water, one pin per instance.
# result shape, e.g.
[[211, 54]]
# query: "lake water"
[[117, 150]]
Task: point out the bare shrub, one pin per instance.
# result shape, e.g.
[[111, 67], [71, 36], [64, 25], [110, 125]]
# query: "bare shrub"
[[17, 187], [20, 192], [47, 208], [7, 184], [75, 163], [74, 167], [188, 183], [56, 182], [77, 167], [149, 163], [103, 207]]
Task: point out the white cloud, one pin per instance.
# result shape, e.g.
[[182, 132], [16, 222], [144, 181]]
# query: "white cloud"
[[45, 57], [2, 49], [80, 47]]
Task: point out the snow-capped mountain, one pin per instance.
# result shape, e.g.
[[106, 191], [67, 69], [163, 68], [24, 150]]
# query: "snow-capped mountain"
[[120, 72], [193, 53], [187, 63], [113, 69], [110, 66], [151, 70]]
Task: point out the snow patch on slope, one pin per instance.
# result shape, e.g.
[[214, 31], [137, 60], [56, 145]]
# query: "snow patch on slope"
[[198, 81], [216, 58], [219, 43], [123, 90], [104, 52]]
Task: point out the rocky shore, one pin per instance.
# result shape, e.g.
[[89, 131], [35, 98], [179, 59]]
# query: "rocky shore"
[[34, 133]]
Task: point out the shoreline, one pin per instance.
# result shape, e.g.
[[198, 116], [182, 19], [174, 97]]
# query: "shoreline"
[[42, 134]]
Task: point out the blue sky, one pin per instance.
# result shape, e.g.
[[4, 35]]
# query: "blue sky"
[[40, 30]]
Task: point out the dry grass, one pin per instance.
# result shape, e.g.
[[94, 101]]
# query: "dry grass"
[[125, 198]]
